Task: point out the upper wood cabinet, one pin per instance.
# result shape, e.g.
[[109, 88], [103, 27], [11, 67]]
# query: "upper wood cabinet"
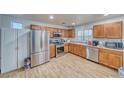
[[113, 30], [98, 31], [110, 30], [66, 33], [71, 33]]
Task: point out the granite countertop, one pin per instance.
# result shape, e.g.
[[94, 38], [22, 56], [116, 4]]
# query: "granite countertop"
[[119, 50]]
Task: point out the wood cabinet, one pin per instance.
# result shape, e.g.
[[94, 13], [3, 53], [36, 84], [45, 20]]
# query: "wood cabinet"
[[83, 51], [71, 33], [111, 58], [52, 51], [51, 31], [113, 30], [110, 30], [98, 31], [66, 48], [66, 33], [71, 48], [77, 49]]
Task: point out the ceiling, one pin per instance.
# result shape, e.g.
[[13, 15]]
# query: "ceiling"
[[68, 19]]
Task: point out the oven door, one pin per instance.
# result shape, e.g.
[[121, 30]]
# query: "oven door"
[[59, 50]]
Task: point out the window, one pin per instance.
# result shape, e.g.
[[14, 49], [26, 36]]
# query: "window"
[[16, 25], [84, 35]]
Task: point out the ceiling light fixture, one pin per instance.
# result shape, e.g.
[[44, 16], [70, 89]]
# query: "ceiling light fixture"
[[106, 14], [73, 23], [51, 17]]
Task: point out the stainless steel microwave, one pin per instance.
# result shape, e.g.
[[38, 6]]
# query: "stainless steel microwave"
[[57, 35], [118, 45]]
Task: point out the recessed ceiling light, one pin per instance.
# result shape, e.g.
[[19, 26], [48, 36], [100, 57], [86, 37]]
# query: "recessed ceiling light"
[[73, 23], [51, 17], [106, 14]]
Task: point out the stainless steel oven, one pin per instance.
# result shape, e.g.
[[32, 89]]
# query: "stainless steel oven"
[[59, 50]]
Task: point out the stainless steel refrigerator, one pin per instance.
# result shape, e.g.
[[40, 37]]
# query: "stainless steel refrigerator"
[[39, 47]]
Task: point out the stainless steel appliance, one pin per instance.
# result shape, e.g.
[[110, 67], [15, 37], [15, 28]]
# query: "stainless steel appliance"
[[95, 43], [59, 49], [92, 54], [117, 45], [39, 47], [57, 35]]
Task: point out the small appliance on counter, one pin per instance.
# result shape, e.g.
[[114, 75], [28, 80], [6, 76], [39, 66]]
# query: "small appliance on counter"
[[116, 45], [95, 43]]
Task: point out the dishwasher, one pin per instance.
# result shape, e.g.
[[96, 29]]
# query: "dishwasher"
[[93, 54]]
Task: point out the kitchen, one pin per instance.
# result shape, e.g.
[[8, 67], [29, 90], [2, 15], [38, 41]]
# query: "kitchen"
[[90, 49]]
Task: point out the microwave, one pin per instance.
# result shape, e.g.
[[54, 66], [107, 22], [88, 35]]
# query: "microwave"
[[57, 35], [117, 45]]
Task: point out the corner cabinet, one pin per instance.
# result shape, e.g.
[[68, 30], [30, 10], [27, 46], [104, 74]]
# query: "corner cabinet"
[[110, 30]]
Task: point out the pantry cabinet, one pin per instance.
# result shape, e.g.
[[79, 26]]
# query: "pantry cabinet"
[[52, 51], [14, 49], [111, 58], [110, 30]]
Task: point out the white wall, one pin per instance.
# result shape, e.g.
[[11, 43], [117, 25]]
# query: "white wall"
[[6, 20]]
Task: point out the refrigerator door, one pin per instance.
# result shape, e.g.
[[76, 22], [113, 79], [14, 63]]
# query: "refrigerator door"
[[44, 41], [36, 44], [37, 59]]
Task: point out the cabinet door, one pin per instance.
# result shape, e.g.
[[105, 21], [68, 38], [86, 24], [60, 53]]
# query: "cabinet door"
[[66, 34], [83, 52], [9, 50], [113, 30], [115, 61], [98, 31], [23, 48], [52, 51], [71, 33], [66, 48], [103, 58]]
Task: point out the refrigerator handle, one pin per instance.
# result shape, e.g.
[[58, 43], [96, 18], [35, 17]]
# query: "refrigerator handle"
[[41, 45]]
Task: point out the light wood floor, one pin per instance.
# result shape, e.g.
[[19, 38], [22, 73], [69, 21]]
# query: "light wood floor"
[[67, 66]]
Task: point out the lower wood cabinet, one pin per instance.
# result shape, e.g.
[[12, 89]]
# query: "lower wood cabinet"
[[111, 58], [52, 51], [71, 48], [66, 48], [77, 49]]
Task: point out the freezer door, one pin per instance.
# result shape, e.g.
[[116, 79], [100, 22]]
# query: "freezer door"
[[36, 44], [45, 41], [39, 58]]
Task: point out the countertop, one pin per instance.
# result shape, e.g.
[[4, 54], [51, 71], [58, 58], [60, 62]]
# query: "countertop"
[[119, 50]]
